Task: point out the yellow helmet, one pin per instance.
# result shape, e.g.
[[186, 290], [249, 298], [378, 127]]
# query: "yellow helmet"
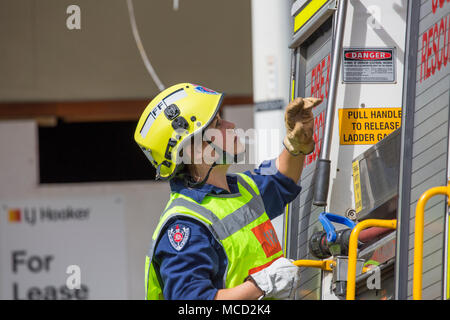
[[171, 119]]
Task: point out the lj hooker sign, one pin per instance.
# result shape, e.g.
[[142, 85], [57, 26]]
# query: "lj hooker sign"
[[62, 249]]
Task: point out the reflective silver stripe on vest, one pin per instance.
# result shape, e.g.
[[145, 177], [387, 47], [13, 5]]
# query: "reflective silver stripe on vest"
[[201, 210], [233, 222], [246, 186], [240, 217]]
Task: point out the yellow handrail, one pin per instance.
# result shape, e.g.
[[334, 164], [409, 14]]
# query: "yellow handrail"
[[418, 236], [353, 249], [326, 265]]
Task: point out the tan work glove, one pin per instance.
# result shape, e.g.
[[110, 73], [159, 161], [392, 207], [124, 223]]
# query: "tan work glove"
[[280, 280], [299, 122]]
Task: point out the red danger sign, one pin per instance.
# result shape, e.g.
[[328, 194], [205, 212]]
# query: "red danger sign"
[[368, 65], [368, 55]]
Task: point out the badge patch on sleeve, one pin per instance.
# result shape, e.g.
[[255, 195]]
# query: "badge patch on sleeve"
[[178, 236]]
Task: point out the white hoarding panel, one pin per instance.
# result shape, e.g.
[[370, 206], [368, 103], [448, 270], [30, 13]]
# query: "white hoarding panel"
[[65, 248]]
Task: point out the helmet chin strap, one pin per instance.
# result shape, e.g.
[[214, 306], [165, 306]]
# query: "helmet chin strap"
[[226, 157], [189, 181]]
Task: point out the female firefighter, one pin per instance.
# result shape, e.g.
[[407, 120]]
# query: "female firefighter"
[[215, 239]]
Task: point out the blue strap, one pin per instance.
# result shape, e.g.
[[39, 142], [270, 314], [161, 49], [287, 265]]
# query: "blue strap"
[[326, 218]]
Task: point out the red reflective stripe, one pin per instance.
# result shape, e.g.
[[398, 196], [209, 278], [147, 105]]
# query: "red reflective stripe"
[[254, 270]]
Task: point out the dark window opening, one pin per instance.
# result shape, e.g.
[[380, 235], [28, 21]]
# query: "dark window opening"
[[91, 152]]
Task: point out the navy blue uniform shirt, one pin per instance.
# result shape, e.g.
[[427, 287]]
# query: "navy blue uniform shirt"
[[191, 262]]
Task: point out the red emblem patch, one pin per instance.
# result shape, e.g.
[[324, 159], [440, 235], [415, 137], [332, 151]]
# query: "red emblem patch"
[[265, 233], [178, 236]]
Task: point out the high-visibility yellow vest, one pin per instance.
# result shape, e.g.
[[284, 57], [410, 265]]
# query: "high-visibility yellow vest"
[[238, 222]]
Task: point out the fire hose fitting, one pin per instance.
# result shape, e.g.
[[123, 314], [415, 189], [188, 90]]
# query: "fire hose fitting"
[[320, 248]]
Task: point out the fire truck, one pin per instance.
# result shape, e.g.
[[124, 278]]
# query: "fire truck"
[[382, 157]]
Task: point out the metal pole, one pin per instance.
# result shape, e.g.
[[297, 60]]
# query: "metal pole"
[[323, 166]]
